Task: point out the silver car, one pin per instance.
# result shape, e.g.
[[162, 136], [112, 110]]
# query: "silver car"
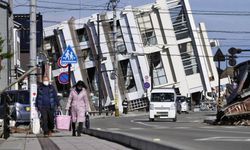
[[19, 105]]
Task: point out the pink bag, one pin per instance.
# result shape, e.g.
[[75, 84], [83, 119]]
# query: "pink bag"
[[63, 121]]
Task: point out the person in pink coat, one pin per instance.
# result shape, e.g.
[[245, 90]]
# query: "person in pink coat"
[[78, 104]]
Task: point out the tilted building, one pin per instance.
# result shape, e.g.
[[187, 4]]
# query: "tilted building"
[[157, 43]]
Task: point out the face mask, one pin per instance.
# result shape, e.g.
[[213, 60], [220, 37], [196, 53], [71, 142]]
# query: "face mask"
[[79, 88], [46, 83]]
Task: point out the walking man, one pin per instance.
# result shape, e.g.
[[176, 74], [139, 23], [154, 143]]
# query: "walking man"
[[46, 103]]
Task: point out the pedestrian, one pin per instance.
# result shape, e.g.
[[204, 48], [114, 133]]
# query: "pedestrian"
[[125, 106], [78, 104], [46, 103]]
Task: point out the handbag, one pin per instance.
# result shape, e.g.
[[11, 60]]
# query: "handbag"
[[63, 121], [87, 121]]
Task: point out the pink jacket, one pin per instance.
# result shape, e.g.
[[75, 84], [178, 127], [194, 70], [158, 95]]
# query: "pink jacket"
[[79, 104]]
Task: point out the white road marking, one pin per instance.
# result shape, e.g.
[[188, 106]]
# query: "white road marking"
[[136, 128], [156, 140], [161, 127], [149, 125], [113, 129], [225, 139], [206, 139], [181, 127]]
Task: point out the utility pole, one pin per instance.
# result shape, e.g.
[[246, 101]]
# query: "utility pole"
[[114, 4], [35, 123], [99, 67]]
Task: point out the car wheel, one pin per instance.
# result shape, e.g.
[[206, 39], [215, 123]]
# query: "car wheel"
[[151, 119]]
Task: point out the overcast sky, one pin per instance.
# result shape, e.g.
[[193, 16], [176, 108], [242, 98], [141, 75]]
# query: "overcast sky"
[[229, 18]]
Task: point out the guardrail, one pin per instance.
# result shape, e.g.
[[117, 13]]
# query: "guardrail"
[[106, 112]]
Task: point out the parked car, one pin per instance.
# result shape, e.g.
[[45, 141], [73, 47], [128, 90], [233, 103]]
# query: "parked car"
[[182, 104], [19, 104]]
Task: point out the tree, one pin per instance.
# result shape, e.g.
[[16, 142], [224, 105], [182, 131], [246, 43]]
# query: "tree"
[[3, 55]]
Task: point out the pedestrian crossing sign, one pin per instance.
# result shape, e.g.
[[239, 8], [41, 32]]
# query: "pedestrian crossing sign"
[[69, 57]]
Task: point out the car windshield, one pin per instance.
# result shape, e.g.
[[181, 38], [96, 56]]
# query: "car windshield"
[[181, 98], [21, 97], [162, 97]]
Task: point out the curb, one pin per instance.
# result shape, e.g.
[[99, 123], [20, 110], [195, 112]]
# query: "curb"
[[128, 140]]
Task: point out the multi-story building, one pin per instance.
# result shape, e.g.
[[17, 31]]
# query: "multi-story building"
[[9, 32], [156, 43]]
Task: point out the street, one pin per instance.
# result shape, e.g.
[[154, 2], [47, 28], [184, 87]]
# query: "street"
[[187, 133]]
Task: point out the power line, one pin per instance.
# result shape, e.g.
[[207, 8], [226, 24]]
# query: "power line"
[[215, 31], [195, 12]]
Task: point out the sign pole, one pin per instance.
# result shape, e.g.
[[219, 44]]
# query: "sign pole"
[[69, 70], [218, 87], [219, 56]]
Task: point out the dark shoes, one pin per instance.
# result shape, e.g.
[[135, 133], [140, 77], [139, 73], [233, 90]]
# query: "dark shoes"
[[47, 134], [79, 129], [73, 129]]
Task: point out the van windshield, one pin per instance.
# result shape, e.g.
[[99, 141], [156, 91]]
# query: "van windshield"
[[162, 97]]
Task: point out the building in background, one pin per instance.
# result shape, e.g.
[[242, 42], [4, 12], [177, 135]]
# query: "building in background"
[[157, 43], [24, 21]]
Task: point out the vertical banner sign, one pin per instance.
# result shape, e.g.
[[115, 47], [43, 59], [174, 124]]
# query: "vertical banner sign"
[[33, 111]]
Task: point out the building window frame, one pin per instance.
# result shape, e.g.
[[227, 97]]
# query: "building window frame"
[[146, 28]]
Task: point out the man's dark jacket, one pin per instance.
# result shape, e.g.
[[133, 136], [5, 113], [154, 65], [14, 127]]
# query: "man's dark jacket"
[[53, 100]]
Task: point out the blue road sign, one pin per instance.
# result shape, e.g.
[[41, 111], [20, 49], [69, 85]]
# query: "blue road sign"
[[69, 57], [63, 78], [146, 85]]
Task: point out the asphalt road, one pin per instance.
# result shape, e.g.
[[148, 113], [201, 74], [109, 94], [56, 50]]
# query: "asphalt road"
[[189, 132]]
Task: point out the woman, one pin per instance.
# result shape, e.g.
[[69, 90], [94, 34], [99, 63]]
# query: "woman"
[[78, 103]]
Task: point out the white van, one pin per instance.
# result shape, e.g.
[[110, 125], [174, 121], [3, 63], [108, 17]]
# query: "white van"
[[162, 104]]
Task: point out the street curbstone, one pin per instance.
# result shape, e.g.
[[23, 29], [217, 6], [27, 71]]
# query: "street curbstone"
[[128, 140]]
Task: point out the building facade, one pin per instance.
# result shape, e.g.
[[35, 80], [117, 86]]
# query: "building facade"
[[5, 13], [157, 44]]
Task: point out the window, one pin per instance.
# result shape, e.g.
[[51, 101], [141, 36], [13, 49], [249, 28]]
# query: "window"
[[188, 58], [87, 55], [127, 77], [158, 72], [179, 21], [53, 50], [93, 80], [82, 35], [146, 29]]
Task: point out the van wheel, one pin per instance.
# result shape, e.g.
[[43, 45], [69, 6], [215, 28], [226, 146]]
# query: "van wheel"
[[151, 119], [175, 119]]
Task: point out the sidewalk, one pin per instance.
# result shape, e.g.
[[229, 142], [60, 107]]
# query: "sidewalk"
[[62, 140], [59, 141]]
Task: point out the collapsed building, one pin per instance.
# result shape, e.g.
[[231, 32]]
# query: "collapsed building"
[[158, 44]]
